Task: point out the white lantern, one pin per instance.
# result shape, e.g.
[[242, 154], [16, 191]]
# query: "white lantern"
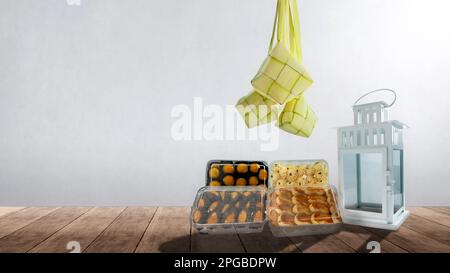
[[371, 168]]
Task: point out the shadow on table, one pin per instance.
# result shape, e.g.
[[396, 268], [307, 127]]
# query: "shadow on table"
[[228, 243]]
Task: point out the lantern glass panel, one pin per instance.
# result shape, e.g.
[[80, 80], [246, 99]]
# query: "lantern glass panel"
[[364, 181], [398, 177]]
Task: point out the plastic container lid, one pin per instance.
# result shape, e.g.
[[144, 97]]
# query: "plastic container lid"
[[236, 173], [220, 208], [290, 173]]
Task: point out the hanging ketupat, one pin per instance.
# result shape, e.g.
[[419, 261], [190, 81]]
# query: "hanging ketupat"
[[281, 79], [256, 109], [297, 117]]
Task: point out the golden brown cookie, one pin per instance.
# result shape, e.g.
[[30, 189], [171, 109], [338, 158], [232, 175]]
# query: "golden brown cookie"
[[228, 168], [301, 209], [228, 180], [299, 199], [299, 191], [272, 198], [273, 215], [242, 168], [196, 216], [201, 203], [302, 219], [225, 208], [284, 194], [330, 197], [242, 217], [286, 219], [234, 196], [215, 183], [318, 198], [280, 201], [284, 207], [253, 181], [314, 191], [214, 172], [230, 218], [321, 218], [258, 216], [212, 218], [213, 205], [247, 193], [254, 167], [262, 174], [319, 207], [241, 182]]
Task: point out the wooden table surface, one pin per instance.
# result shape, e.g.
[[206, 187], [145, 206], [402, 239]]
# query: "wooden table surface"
[[168, 229]]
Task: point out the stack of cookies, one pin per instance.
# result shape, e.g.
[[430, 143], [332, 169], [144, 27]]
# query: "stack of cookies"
[[302, 206]]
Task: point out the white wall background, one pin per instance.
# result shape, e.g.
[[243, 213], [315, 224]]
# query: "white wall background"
[[86, 91]]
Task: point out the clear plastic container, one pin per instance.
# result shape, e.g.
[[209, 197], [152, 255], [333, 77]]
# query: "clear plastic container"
[[290, 173], [223, 209], [301, 211], [236, 173]]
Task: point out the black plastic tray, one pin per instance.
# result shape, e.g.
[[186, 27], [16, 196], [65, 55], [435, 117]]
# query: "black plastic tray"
[[236, 175]]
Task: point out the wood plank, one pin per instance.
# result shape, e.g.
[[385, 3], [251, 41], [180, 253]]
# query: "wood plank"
[[432, 215], [265, 242], [445, 210], [29, 236], [14, 221], [84, 230], [411, 240], [428, 228], [169, 231], [358, 238], [216, 243], [124, 234], [7, 210], [49, 229], [321, 244]]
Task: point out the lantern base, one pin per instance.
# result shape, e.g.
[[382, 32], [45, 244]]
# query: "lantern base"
[[376, 224]]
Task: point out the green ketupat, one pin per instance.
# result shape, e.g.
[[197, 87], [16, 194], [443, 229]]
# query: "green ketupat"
[[256, 109], [297, 117], [281, 77]]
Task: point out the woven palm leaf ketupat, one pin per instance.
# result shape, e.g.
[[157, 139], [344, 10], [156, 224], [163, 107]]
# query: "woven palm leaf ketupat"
[[297, 117], [256, 109], [281, 77]]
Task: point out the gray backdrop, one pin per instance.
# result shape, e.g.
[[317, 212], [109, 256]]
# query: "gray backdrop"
[[86, 91]]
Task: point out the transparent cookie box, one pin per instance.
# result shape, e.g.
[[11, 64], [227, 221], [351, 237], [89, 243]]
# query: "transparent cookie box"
[[302, 211], [226, 209], [236, 173], [289, 173]]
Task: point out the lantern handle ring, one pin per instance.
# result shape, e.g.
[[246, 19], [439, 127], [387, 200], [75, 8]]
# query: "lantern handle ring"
[[376, 91]]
